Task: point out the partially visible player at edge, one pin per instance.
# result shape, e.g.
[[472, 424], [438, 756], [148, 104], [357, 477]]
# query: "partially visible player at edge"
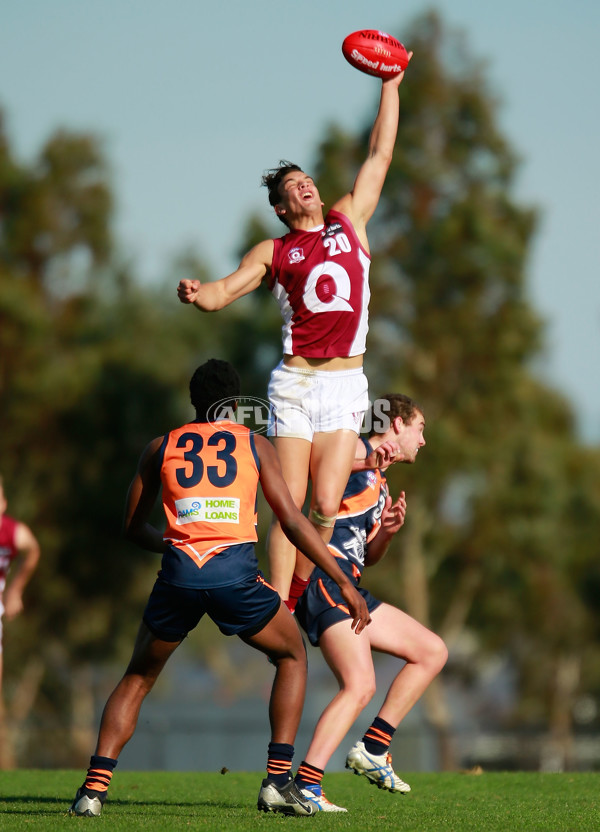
[[19, 546], [367, 521], [209, 471], [20, 549], [318, 272]]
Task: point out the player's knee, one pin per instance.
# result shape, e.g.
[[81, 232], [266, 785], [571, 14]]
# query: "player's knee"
[[361, 691], [367, 692], [294, 652], [325, 503], [300, 652], [319, 518], [436, 653]]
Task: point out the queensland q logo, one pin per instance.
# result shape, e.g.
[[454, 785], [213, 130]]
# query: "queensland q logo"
[[338, 299], [251, 412]]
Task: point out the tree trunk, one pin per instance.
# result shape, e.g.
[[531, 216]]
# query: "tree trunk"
[[83, 727], [14, 716], [7, 756], [557, 750], [417, 603]]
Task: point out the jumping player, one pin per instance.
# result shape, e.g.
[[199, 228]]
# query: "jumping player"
[[318, 272], [209, 471], [367, 521]]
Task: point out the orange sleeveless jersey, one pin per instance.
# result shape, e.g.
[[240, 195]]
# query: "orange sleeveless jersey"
[[210, 476]]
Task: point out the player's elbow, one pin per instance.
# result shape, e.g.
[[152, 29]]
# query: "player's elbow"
[[33, 553], [130, 530], [383, 156]]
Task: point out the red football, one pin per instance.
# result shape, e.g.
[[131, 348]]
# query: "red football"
[[375, 53]]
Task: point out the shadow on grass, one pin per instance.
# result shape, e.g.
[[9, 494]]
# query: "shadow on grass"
[[20, 804]]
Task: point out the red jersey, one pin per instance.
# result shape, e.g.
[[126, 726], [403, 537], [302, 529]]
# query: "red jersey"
[[8, 549], [321, 281], [210, 475]]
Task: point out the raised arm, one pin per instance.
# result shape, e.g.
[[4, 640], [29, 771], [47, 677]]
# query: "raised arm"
[[360, 204], [302, 533], [209, 297]]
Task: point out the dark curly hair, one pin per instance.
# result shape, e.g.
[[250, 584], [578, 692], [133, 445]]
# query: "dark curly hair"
[[212, 382], [273, 178]]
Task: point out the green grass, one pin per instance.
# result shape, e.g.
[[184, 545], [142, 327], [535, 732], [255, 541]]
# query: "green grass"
[[162, 801]]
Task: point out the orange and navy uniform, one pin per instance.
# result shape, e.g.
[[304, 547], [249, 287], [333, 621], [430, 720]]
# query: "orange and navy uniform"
[[358, 521], [210, 474], [359, 516]]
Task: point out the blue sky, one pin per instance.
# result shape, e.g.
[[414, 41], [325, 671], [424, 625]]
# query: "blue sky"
[[194, 100]]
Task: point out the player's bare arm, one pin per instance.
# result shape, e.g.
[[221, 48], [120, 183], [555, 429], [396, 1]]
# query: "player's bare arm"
[[28, 557], [382, 457], [360, 204], [392, 520], [141, 497], [302, 533], [212, 296]]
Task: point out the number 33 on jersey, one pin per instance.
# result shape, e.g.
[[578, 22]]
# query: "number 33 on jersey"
[[210, 472]]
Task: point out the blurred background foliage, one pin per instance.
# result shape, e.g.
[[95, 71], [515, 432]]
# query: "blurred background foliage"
[[499, 551]]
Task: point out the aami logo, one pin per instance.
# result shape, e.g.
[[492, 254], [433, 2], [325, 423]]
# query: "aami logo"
[[188, 510]]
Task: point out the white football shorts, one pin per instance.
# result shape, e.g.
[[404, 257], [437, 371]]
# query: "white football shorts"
[[305, 402]]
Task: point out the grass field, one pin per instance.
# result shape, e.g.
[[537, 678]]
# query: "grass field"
[[164, 801]]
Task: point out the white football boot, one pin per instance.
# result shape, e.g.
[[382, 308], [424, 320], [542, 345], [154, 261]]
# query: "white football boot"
[[316, 795], [378, 768]]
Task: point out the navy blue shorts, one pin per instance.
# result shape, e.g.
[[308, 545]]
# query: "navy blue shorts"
[[241, 609], [322, 605]]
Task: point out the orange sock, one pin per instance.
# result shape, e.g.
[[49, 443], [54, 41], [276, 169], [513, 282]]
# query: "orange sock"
[[99, 774]]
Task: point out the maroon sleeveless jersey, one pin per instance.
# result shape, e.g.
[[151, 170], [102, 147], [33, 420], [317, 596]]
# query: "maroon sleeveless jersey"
[[8, 550], [321, 281]]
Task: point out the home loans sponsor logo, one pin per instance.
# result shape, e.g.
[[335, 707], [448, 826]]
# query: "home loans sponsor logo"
[[207, 510]]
